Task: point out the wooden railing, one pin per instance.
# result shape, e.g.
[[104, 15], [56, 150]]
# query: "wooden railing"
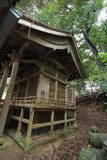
[[40, 103]]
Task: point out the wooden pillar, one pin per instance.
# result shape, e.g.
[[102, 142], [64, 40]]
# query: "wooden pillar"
[[20, 120], [29, 131], [7, 101], [3, 80], [52, 121], [56, 87], [65, 119]]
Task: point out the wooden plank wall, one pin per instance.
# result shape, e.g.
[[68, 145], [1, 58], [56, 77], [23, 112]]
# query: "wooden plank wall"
[[61, 92], [48, 84]]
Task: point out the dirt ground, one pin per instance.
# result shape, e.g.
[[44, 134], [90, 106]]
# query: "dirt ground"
[[65, 148]]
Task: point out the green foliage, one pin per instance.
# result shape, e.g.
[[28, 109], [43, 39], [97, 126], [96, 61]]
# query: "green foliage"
[[95, 139], [104, 86], [103, 57], [75, 16], [25, 143], [94, 129], [98, 36], [3, 143], [69, 17], [18, 136], [86, 154], [93, 154], [101, 154]]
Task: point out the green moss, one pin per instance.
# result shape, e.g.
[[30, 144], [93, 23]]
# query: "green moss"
[[92, 154], [101, 154], [18, 136], [3, 143], [95, 139], [86, 154], [94, 129]]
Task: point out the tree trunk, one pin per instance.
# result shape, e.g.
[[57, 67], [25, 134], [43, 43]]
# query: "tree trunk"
[[93, 49], [7, 101]]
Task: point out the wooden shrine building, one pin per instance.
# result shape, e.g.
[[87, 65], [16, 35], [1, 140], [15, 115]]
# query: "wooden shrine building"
[[38, 62]]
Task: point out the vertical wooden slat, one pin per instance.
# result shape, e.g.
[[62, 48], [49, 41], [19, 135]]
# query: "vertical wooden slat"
[[29, 131], [17, 92], [56, 87], [52, 121], [20, 120], [66, 93], [74, 97], [65, 119], [27, 88], [7, 101]]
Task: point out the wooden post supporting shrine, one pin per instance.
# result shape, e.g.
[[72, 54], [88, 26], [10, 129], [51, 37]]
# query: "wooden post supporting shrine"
[[29, 131], [3, 79], [65, 119], [20, 120], [52, 121], [7, 101]]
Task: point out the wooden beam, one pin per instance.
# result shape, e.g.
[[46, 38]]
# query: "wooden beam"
[[18, 118], [76, 57], [7, 101], [53, 77], [41, 125], [27, 77], [60, 66], [40, 27], [31, 61], [41, 105], [29, 131], [4, 80], [43, 41]]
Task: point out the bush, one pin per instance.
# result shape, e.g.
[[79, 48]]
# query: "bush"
[[94, 129], [86, 154]]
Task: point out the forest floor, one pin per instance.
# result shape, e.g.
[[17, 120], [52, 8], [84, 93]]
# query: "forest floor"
[[66, 147]]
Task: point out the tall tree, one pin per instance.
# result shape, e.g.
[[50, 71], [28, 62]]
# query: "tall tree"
[[78, 19]]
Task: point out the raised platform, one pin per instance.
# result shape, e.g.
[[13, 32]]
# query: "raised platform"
[[39, 103]]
